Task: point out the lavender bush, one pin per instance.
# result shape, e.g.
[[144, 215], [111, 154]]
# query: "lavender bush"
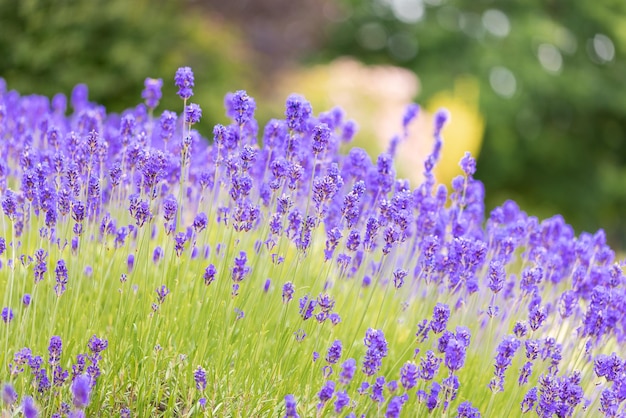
[[145, 272]]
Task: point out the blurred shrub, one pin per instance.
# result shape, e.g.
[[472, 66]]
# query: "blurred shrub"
[[48, 46], [551, 78]]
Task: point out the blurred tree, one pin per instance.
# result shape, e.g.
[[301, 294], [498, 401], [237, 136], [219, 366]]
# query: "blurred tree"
[[49, 46], [551, 76]]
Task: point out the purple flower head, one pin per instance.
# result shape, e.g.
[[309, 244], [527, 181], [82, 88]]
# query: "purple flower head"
[[376, 351], [290, 407], [525, 373], [199, 376], [157, 254], [29, 408], [520, 329], [288, 289], [180, 239], [342, 401], [321, 138], [9, 395], [441, 314], [152, 91], [410, 113], [468, 164], [97, 345], [167, 123], [162, 293], [454, 355], [240, 107], [408, 375], [297, 113], [200, 222], [466, 410], [9, 204], [130, 263], [326, 393], [377, 389], [209, 274], [610, 367], [398, 278], [61, 277], [537, 317], [193, 113], [81, 390], [7, 315], [240, 270], [184, 80], [55, 349], [496, 276], [429, 366], [307, 306], [334, 352], [441, 117], [347, 371]]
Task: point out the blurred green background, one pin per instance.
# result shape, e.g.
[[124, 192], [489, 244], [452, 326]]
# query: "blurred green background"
[[549, 76]]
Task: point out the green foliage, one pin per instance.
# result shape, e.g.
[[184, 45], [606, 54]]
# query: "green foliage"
[[556, 140], [49, 46]]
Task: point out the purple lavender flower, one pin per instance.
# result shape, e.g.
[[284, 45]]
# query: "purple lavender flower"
[[297, 113], [200, 222], [193, 113], [61, 277], [504, 357], [454, 355], [29, 408], [342, 401], [7, 315], [376, 351], [209, 274], [240, 107], [347, 371], [81, 390], [184, 80], [468, 164], [288, 289], [199, 376], [9, 395], [240, 270], [525, 373], [321, 137], [9, 204], [395, 406], [466, 410], [290, 407], [441, 314], [334, 352], [398, 278], [408, 375], [162, 293], [55, 349], [497, 276], [377, 389], [537, 317], [326, 393], [152, 92]]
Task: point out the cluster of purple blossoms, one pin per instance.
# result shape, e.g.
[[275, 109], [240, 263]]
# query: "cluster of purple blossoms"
[[88, 177]]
